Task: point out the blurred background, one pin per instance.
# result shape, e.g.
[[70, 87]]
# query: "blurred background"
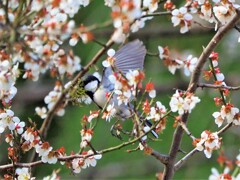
[[65, 131]]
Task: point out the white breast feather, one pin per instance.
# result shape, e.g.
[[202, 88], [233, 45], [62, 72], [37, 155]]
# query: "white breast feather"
[[100, 97]]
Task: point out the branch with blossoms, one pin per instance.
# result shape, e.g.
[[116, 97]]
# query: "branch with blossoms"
[[35, 39], [61, 156], [169, 170]]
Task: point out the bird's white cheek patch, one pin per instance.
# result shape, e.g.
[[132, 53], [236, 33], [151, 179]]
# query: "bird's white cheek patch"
[[91, 86]]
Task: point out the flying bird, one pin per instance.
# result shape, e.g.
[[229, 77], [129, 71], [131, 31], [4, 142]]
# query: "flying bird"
[[130, 57]]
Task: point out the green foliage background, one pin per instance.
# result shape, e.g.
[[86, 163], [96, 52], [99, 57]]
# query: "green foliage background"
[[136, 165]]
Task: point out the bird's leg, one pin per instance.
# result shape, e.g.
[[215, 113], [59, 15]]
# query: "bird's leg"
[[115, 130]]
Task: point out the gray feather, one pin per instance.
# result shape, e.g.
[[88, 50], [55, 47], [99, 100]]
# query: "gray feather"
[[130, 57]]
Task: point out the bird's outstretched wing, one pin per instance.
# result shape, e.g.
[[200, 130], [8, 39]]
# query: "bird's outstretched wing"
[[130, 57]]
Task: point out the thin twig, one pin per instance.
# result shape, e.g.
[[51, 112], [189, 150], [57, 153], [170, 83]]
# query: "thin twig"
[[152, 54], [179, 164], [8, 166], [224, 128], [157, 14], [215, 78], [231, 88], [184, 127]]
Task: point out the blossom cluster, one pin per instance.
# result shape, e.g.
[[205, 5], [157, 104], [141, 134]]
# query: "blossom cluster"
[[87, 133], [83, 163], [128, 16], [11, 122], [188, 64], [208, 142], [8, 74], [213, 12], [230, 171], [44, 150], [218, 11], [39, 47], [156, 113], [183, 103], [215, 70], [50, 100], [228, 113]]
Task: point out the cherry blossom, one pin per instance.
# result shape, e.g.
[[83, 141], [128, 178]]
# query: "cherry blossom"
[[238, 160], [123, 97], [218, 118], [134, 77], [214, 57], [86, 135], [183, 18], [171, 63], [157, 112], [190, 64], [81, 163], [53, 176], [7, 119], [93, 115], [52, 98], [42, 112], [152, 5], [91, 160], [150, 89], [110, 112], [229, 113], [23, 173], [77, 164], [50, 158], [216, 175], [182, 104], [31, 135], [109, 3], [208, 142], [126, 16], [43, 149], [110, 60], [9, 139], [224, 12], [177, 103], [206, 12], [19, 127]]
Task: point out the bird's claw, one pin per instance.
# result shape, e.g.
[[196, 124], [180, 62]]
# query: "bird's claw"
[[115, 132]]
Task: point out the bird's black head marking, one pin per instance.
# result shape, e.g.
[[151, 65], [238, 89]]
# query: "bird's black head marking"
[[90, 84]]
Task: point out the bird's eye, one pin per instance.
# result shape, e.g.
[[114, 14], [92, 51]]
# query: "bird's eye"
[[91, 86]]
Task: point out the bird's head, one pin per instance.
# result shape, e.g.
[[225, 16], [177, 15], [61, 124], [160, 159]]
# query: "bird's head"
[[91, 84]]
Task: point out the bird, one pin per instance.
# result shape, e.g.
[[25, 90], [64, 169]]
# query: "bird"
[[129, 57]]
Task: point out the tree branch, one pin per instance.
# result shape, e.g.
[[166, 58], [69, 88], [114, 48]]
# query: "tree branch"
[[203, 85], [179, 164], [169, 168]]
